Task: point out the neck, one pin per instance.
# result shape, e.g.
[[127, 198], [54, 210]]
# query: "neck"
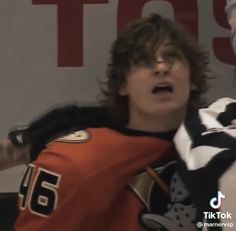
[[156, 123]]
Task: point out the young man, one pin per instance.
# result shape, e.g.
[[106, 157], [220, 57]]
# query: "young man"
[[109, 178]]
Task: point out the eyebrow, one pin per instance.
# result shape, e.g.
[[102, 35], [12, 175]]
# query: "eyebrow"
[[167, 44]]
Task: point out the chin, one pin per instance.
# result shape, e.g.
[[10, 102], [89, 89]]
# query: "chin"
[[171, 107]]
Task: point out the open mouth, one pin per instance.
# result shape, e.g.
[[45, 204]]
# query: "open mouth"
[[162, 89]]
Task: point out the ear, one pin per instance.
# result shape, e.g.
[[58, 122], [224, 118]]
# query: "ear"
[[123, 90], [193, 86]]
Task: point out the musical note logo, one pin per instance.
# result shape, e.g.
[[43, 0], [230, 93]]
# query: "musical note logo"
[[216, 202]]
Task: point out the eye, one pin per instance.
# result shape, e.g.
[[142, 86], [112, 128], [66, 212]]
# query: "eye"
[[170, 55]]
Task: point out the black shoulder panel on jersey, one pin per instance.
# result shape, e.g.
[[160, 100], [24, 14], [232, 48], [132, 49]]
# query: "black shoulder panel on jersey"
[[55, 123]]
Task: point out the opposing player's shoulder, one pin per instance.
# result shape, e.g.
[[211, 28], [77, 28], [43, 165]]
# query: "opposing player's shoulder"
[[220, 104]]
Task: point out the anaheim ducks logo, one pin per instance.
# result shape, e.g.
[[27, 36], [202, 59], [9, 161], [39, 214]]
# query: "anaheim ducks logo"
[[165, 210], [75, 137]]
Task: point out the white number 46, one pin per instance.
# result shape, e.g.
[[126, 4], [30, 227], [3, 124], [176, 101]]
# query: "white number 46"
[[39, 194]]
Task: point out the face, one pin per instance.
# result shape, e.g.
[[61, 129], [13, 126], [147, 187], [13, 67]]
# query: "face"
[[160, 88]]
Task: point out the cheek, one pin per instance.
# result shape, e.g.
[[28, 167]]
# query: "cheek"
[[183, 83], [136, 91], [184, 77], [136, 86]]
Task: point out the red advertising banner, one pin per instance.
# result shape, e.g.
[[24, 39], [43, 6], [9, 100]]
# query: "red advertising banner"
[[55, 51]]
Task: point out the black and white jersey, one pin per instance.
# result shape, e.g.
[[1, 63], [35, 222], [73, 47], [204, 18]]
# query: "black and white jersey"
[[206, 144]]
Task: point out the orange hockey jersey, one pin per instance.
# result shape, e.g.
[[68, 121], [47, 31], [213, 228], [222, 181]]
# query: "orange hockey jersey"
[[95, 180]]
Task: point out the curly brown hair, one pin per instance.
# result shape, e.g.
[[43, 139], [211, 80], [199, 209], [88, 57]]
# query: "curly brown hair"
[[137, 45]]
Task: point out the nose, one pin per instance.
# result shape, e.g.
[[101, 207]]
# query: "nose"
[[161, 66]]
